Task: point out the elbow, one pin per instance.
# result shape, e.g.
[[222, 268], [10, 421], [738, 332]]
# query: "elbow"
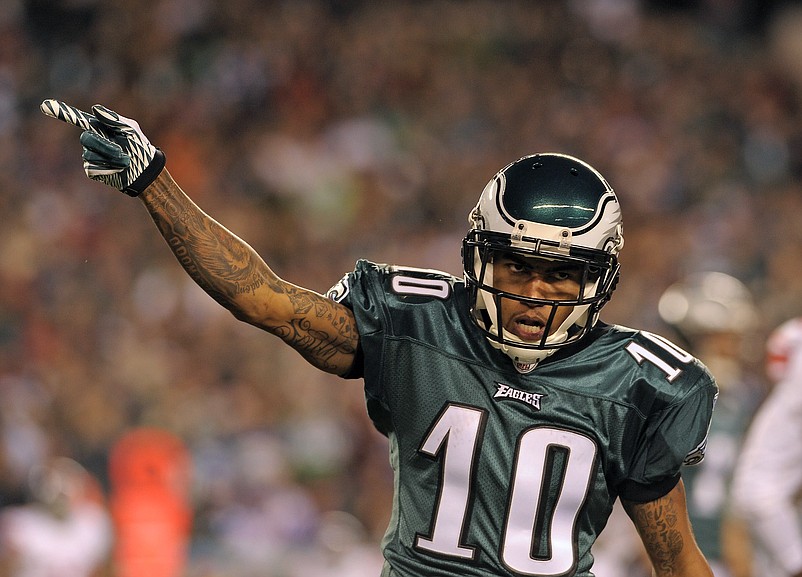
[[242, 309], [248, 317]]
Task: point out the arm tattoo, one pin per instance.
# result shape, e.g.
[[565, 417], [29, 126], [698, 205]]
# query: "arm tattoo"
[[657, 523], [316, 346], [213, 257], [227, 269]]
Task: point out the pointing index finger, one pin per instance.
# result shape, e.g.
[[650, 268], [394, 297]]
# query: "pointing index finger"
[[69, 114]]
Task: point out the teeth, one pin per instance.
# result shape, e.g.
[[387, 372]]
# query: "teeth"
[[529, 329]]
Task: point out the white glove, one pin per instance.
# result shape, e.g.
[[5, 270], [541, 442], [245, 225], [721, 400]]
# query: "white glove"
[[116, 152]]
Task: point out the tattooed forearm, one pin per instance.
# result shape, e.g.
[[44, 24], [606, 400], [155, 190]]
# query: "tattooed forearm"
[[218, 261], [233, 274]]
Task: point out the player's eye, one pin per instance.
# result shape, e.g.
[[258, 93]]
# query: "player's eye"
[[564, 275], [559, 276]]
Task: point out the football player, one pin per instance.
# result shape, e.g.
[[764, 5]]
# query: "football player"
[[768, 476], [515, 417], [65, 527]]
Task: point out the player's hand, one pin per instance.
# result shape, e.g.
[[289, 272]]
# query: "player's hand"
[[116, 152]]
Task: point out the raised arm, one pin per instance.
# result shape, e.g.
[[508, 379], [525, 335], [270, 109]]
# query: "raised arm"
[[234, 275], [665, 530], [118, 154]]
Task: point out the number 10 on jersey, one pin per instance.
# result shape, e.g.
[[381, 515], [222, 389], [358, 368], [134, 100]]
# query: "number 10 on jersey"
[[537, 519]]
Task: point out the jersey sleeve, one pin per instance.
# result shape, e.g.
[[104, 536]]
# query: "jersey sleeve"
[[392, 304], [673, 437], [358, 291], [362, 291]]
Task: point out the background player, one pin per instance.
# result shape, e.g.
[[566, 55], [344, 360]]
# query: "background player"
[[768, 477], [64, 529], [515, 418]]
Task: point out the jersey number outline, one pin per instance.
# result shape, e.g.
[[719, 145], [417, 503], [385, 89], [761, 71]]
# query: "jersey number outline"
[[402, 284], [641, 354], [538, 517]]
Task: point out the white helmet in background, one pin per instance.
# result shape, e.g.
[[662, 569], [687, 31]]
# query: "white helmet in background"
[[708, 302]]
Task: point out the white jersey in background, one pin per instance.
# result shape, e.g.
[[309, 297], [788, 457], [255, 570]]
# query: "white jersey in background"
[[768, 477]]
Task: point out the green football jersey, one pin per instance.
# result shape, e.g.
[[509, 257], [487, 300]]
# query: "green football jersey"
[[502, 473]]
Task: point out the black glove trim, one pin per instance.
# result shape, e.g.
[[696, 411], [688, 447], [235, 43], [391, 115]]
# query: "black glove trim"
[[151, 172]]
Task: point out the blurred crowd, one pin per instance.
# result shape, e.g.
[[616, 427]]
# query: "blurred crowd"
[[322, 132]]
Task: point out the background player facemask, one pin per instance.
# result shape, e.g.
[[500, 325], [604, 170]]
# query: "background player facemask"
[[549, 206]]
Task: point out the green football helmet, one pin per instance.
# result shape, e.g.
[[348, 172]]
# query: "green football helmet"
[[547, 206]]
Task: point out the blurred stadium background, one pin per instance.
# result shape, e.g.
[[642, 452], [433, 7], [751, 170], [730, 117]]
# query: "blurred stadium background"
[[322, 132]]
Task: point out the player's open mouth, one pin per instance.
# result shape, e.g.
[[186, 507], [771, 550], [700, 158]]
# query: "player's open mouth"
[[527, 329]]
